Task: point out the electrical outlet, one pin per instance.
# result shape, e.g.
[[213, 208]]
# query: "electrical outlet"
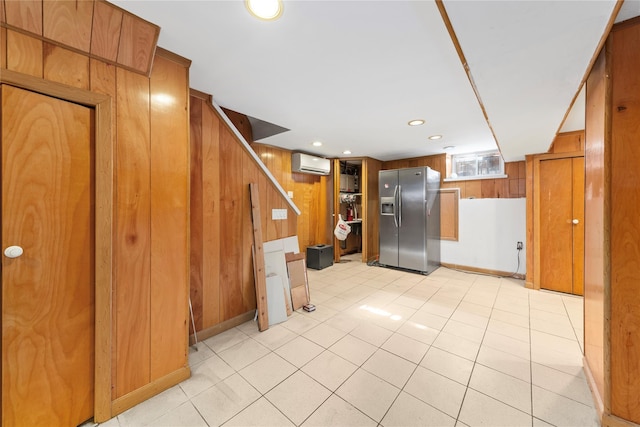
[[519, 246]]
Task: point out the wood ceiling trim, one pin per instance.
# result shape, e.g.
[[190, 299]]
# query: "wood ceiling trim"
[[465, 64]]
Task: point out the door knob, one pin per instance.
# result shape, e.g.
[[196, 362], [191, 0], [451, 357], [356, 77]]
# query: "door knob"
[[575, 221], [13, 252]]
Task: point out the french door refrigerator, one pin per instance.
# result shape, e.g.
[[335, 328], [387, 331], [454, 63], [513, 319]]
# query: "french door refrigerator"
[[410, 219]]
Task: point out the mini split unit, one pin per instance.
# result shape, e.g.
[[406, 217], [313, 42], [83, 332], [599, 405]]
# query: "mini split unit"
[[305, 163]]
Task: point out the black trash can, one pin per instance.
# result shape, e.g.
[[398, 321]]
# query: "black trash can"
[[319, 256]]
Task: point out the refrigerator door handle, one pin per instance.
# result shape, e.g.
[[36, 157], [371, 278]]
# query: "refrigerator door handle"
[[395, 206], [399, 205]]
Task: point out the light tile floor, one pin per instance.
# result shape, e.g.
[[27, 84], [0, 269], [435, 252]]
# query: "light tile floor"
[[391, 348]]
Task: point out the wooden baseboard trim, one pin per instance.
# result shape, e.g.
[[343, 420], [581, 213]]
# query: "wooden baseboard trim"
[[147, 391], [609, 420], [595, 393], [223, 326], [482, 270]]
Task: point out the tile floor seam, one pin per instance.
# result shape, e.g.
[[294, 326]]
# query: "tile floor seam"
[[475, 361], [449, 292]]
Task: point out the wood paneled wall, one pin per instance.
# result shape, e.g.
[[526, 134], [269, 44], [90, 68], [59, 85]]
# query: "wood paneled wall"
[[612, 300], [93, 29], [241, 122], [567, 142], [371, 248], [97, 47], [437, 162], [511, 187], [222, 281], [499, 188], [596, 238], [625, 221], [311, 193]]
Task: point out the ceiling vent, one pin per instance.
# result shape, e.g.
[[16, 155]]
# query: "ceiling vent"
[[305, 163]]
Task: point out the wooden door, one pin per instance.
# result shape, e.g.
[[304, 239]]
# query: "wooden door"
[[562, 224], [48, 292]]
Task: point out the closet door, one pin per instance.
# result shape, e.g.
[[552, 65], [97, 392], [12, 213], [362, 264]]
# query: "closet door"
[[48, 290], [562, 224]]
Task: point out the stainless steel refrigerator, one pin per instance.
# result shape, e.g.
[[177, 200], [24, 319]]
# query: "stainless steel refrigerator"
[[410, 219]]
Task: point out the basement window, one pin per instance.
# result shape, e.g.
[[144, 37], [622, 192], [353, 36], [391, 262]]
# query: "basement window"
[[487, 164]]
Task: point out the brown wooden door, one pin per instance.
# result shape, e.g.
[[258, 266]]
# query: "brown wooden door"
[[562, 225], [47, 293]]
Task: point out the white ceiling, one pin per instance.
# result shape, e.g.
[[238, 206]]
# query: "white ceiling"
[[353, 73]]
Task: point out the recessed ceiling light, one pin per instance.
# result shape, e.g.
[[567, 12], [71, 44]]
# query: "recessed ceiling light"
[[434, 137], [449, 147], [265, 9], [346, 152], [416, 122], [317, 144]]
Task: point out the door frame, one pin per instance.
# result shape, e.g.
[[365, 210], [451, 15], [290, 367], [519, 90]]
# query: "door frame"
[[103, 221], [364, 214], [533, 216]]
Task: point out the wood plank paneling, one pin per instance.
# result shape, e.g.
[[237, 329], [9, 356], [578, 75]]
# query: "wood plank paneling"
[[137, 42], [449, 214], [241, 122], [3, 47], [24, 53], [625, 223], [568, 142], [595, 217], [231, 197], [24, 14], [107, 21], [512, 170], [309, 194], [197, 258], [473, 189], [130, 294], [68, 22], [169, 180], [228, 289], [371, 220], [488, 189], [133, 246], [64, 66], [514, 186], [211, 218]]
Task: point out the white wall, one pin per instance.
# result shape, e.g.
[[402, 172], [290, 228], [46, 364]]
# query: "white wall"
[[488, 232]]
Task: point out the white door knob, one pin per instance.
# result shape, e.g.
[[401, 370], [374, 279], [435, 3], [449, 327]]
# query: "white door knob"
[[13, 252], [575, 221]]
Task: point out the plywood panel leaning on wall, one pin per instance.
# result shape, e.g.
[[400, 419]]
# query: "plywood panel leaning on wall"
[[223, 291]]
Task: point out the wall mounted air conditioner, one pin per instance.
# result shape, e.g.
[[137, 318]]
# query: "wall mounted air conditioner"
[[305, 163]]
